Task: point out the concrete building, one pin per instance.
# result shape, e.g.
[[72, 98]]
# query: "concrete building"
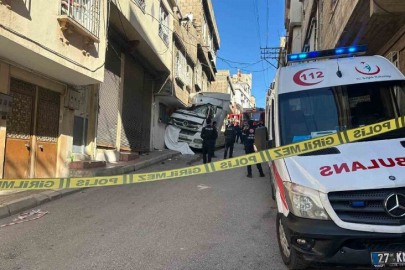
[[223, 84], [253, 101], [51, 61], [242, 84], [293, 21], [160, 52], [328, 24], [209, 42], [139, 66]]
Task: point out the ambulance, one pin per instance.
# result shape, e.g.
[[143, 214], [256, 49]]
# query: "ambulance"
[[343, 205]]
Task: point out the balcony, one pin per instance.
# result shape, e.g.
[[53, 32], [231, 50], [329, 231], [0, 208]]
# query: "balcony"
[[82, 17]]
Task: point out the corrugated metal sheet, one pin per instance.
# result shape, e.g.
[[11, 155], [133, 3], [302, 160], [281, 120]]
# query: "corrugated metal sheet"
[[136, 111]]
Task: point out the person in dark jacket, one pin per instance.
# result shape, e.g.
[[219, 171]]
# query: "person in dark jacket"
[[238, 133], [244, 132], [209, 134], [214, 124], [230, 135], [250, 148]]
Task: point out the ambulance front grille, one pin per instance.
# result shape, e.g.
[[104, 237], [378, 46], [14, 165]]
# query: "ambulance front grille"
[[364, 206]]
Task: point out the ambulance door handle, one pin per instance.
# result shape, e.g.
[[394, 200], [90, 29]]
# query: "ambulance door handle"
[[27, 145], [41, 147]]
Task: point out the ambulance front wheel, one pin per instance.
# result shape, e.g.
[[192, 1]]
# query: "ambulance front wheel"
[[290, 256]]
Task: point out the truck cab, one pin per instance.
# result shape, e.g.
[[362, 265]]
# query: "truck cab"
[[192, 119], [344, 205]]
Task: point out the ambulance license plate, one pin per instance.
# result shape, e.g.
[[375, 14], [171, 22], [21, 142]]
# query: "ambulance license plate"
[[388, 259]]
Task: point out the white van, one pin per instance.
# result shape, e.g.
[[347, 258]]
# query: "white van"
[[344, 205]]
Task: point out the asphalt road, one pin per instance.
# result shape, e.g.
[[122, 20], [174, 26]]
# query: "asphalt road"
[[216, 221]]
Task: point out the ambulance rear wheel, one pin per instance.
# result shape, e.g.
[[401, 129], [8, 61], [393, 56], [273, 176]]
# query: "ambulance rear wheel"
[[290, 256]]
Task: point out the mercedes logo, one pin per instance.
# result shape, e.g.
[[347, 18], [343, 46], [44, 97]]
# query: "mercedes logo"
[[185, 123], [395, 205]]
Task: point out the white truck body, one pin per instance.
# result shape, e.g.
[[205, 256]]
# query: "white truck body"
[[192, 120]]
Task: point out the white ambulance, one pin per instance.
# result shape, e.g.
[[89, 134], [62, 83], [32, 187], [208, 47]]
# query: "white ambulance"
[[344, 205]]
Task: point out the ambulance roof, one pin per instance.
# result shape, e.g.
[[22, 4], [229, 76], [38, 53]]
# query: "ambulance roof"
[[323, 73]]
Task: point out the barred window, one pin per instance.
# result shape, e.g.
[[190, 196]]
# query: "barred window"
[[163, 113]]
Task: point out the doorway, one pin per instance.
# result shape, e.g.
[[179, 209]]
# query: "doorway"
[[32, 132]]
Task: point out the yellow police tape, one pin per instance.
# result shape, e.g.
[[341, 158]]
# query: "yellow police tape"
[[250, 159]]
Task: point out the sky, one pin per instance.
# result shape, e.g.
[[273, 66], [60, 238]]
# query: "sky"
[[242, 31]]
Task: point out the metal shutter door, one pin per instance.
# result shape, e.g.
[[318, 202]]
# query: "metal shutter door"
[[136, 110], [109, 109]]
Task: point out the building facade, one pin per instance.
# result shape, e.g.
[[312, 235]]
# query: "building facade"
[[253, 101], [205, 24], [327, 24], [139, 66], [51, 63], [242, 84], [223, 84]]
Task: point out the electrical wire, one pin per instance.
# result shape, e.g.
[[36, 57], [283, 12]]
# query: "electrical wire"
[[267, 23]]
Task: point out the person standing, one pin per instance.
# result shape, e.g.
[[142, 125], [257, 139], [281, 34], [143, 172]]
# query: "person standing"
[[215, 143], [209, 134], [238, 133], [230, 135], [250, 148]]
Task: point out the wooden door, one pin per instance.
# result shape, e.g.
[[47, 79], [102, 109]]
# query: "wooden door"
[[19, 130], [46, 133]]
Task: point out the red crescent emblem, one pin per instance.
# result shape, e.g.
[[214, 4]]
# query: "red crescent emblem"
[[297, 78], [373, 73]]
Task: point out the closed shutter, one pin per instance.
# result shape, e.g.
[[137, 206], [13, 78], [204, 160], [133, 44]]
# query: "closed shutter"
[[136, 109], [109, 108]]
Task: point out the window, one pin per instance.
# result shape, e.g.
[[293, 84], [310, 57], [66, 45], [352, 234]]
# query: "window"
[[141, 4], [164, 24], [313, 113], [84, 12], [272, 129], [182, 69], [205, 30], [163, 113]]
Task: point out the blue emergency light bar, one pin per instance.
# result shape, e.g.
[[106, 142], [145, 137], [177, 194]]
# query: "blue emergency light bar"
[[338, 52]]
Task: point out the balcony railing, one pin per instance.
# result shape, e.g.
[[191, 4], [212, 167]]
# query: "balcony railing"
[[84, 12], [141, 4]]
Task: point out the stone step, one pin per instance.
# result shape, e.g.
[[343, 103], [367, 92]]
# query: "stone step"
[[128, 156], [80, 165]]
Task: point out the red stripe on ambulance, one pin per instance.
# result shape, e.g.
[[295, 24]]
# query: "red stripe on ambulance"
[[280, 186]]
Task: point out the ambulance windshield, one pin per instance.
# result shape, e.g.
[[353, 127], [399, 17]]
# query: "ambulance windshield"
[[317, 112]]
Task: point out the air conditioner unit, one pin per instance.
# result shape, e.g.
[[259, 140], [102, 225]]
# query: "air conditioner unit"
[[393, 57]]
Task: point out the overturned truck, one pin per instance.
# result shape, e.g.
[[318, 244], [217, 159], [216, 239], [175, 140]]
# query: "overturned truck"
[[192, 119]]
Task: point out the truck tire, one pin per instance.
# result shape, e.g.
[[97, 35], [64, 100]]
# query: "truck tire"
[[290, 256]]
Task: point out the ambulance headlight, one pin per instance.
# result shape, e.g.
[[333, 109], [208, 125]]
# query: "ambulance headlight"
[[304, 202]]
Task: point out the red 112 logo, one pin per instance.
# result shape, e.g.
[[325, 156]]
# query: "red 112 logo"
[[308, 77]]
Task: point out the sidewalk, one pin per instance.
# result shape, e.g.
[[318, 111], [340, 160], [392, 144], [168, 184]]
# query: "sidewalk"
[[13, 202]]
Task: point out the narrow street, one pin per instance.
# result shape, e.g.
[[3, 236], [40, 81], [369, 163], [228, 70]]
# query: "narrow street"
[[216, 221]]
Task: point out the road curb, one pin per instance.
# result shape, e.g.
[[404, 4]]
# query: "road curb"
[[19, 205]]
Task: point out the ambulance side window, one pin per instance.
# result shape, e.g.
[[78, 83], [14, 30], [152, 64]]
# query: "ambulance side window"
[[271, 131]]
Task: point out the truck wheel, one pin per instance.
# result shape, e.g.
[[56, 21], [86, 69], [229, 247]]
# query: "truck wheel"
[[290, 256]]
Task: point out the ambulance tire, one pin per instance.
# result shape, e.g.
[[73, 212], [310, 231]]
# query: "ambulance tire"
[[294, 261]]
